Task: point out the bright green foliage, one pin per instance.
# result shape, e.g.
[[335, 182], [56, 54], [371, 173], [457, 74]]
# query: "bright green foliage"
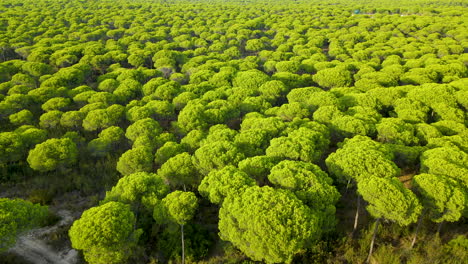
[[137, 189], [100, 119], [135, 160], [167, 91], [31, 135], [254, 104], [145, 142], [302, 95], [180, 101], [302, 144], [127, 90], [258, 167], [278, 216], [287, 66], [252, 79], [192, 139], [219, 133], [72, 119], [219, 184], [312, 97], [411, 110], [292, 80], [167, 151], [161, 110], [396, 131], [252, 142], [449, 127], [192, 116], [216, 155], [387, 198], [99, 147], [445, 112], [361, 158], [455, 250], [462, 98], [345, 126], [288, 112], [447, 161], [220, 111], [14, 103], [196, 115], [254, 45], [53, 154], [273, 126], [23, 117], [12, 147], [112, 133], [18, 216], [108, 85], [310, 184], [105, 233], [145, 127], [199, 87], [50, 120], [442, 196], [326, 114], [373, 80], [420, 76], [82, 95], [386, 97], [426, 132], [433, 94], [405, 156], [456, 141], [164, 137], [108, 140], [333, 77], [57, 103], [36, 69], [151, 86], [179, 171], [351, 98], [273, 90], [178, 207]]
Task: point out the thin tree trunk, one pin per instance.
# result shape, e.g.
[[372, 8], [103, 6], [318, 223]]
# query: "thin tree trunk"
[[347, 186], [356, 217], [439, 227], [417, 230], [183, 245], [373, 239]]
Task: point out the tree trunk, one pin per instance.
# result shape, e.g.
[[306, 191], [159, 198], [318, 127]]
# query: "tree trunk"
[[347, 186], [373, 239], [183, 245], [356, 217], [439, 227], [417, 230]]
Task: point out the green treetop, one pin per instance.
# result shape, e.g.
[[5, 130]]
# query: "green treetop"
[[261, 219], [105, 233], [16, 217], [53, 153], [390, 200]]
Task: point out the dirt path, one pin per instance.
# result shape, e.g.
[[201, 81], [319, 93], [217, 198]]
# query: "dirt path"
[[33, 247]]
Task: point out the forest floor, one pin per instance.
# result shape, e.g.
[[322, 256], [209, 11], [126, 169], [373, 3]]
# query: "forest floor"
[[50, 244]]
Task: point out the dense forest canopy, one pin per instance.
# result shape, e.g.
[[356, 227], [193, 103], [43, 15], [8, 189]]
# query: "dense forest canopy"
[[236, 131]]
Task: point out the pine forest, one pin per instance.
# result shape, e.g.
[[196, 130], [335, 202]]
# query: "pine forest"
[[233, 131]]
